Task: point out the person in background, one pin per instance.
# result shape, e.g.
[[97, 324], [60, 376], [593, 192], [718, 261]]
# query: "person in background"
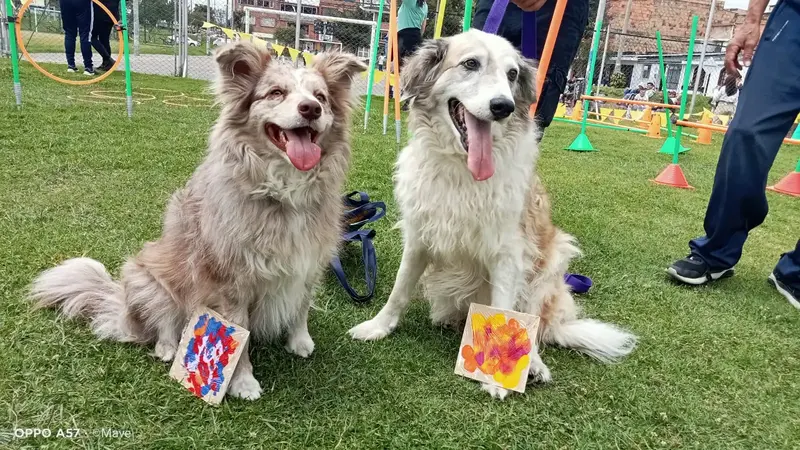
[[101, 31], [381, 62], [573, 25], [725, 97], [646, 94], [412, 18], [76, 19], [631, 93], [769, 101]]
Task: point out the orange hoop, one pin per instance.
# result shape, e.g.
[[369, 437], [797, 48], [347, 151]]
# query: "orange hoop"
[[120, 54]]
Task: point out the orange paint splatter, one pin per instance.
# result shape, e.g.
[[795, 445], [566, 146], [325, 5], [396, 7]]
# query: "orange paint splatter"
[[499, 349]]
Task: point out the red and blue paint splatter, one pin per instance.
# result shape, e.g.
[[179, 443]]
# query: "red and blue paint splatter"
[[208, 354]]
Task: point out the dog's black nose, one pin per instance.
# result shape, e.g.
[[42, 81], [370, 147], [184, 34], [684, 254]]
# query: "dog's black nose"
[[501, 107], [309, 109]]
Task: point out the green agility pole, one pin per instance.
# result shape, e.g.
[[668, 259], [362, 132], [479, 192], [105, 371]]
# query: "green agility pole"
[[581, 142], [796, 134], [669, 144], [128, 91], [687, 75], [467, 15], [600, 125], [373, 59], [12, 36]]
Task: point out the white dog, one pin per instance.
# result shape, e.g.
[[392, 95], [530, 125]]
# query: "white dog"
[[475, 218], [251, 232]]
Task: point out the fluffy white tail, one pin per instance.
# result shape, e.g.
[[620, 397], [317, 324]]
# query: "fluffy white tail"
[[81, 287], [602, 341]]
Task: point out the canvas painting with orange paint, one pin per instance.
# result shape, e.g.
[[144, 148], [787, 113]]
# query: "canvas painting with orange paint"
[[496, 346], [207, 355]]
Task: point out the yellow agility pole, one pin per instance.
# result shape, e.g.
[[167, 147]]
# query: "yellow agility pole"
[[437, 33], [388, 78], [396, 78]]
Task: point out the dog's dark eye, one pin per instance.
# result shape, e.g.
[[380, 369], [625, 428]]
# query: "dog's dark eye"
[[512, 75], [471, 64], [275, 93], [321, 97]]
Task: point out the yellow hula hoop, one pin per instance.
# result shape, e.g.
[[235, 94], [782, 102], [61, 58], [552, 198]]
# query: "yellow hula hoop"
[[21, 43]]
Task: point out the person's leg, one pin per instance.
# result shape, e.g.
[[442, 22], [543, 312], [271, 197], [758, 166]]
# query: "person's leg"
[[70, 26], [573, 25], [100, 33], [85, 18], [105, 38], [768, 104]]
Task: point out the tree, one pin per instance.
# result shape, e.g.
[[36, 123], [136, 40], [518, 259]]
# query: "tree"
[[238, 20], [285, 36], [353, 36], [153, 11], [198, 16]]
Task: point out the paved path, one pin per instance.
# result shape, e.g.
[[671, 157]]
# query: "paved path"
[[199, 67]]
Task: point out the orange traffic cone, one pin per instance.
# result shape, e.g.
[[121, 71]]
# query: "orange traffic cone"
[[704, 135], [655, 127], [673, 176], [577, 111], [789, 185], [647, 115]]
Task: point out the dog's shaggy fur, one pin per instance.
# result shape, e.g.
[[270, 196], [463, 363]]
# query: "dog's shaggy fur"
[[490, 241], [250, 234]]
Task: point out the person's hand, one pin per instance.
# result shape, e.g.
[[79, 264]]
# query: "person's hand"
[[529, 5], [743, 42]]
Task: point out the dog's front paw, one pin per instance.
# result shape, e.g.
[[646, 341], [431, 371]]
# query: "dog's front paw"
[[301, 345], [371, 330], [244, 385], [539, 373], [165, 351], [495, 391]]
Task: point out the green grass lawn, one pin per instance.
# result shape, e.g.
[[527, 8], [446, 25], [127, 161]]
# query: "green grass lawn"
[[716, 368], [53, 42]]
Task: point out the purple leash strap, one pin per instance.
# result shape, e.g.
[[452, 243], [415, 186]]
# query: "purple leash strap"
[[495, 17]]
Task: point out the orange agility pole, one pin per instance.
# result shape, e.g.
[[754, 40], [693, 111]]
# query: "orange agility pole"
[[21, 43], [629, 102], [721, 129], [547, 53]]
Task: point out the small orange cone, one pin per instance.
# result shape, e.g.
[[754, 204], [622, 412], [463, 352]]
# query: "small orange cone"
[[789, 185], [577, 111], [655, 127], [673, 176], [703, 135], [647, 115]]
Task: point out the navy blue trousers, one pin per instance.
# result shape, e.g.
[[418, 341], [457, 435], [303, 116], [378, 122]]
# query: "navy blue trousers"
[[573, 25], [768, 104], [76, 19]]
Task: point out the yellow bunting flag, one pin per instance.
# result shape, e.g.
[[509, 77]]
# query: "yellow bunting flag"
[[293, 53], [309, 57], [278, 49]]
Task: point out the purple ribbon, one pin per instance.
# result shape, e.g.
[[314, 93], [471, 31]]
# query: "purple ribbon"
[[495, 16]]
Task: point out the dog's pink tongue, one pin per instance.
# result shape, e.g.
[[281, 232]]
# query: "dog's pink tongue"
[[303, 153], [479, 141]]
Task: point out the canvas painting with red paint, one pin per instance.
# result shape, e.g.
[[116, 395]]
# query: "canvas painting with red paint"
[[209, 350], [496, 346]]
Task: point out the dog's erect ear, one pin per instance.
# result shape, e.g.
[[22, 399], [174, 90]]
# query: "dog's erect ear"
[[422, 68], [526, 84], [240, 66], [338, 69]]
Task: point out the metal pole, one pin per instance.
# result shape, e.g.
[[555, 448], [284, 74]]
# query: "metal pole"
[[297, 29], [246, 20], [208, 34], [185, 38], [603, 61], [702, 54], [136, 4], [12, 40], [4, 51], [620, 39]]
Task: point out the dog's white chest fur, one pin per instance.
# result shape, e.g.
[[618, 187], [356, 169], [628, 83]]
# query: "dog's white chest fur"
[[447, 209]]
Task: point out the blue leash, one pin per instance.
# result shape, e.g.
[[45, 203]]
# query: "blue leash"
[[363, 212]]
